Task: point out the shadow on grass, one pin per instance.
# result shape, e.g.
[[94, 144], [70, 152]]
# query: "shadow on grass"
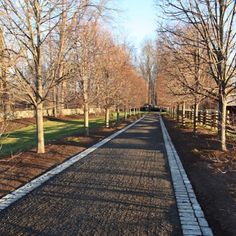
[[25, 138]]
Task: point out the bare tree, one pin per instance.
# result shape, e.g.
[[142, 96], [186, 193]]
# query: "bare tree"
[[4, 89], [148, 68], [87, 50], [185, 66], [215, 23], [28, 26]]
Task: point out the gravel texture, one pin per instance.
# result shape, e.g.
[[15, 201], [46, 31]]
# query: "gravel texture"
[[122, 188]]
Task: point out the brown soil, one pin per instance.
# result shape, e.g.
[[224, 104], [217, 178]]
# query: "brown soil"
[[212, 174], [12, 125], [18, 170]]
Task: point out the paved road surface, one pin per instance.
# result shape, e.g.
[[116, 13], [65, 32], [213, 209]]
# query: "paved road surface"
[[123, 188]]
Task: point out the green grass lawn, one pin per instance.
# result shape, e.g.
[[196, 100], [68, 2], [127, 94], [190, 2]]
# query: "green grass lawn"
[[25, 138]]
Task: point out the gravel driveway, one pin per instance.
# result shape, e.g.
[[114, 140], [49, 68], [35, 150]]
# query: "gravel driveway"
[[122, 188]]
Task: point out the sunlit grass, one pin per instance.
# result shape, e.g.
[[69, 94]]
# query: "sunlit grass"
[[25, 138]]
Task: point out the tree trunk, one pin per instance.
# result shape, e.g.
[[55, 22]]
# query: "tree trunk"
[[55, 114], [149, 89], [107, 118], [62, 98], [86, 104], [174, 112], [222, 122], [177, 113], [58, 100], [118, 114], [39, 102], [195, 117], [86, 118], [183, 114], [3, 75], [40, 131], [126, 114], [5, 97]]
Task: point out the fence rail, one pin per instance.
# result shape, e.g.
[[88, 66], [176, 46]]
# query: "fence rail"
[[206, 118]]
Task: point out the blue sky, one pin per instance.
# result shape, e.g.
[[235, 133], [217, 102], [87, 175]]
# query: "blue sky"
[[137, 21]]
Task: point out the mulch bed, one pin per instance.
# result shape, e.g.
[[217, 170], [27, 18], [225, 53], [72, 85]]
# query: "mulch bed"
[[19, 169], [211, 172]]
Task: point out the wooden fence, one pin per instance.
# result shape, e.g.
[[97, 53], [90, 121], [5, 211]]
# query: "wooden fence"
[[206, 118]]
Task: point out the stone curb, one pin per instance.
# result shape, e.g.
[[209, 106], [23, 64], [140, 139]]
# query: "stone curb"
[[192, 219], [12, 197]]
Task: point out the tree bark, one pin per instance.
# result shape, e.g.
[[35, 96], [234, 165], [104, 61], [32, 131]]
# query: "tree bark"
[[107, 118], [139, 113], [118, 114], [86, 118], [40, 131], [126, 114], [177, 113], [5, 96], [222, 122], [183, 114], [55, 114], [195, 118], [58, 100], [62, 97]]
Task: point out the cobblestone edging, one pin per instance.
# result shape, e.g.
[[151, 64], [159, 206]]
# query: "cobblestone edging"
[[10, 198], [192, 218]]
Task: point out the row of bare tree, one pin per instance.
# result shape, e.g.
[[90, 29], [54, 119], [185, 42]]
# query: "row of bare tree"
[[197, 54], [54, 52]]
